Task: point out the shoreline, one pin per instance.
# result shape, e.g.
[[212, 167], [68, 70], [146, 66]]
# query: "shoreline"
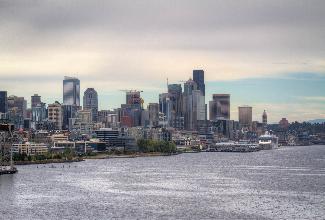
[[135, 155], [96, 157], [21, 163]]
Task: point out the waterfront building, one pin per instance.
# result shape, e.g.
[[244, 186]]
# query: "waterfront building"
[[245, 115], [219, 107], [35, 100], [71, 91], [30, 149], [110, 136], [198, 77], [3, 102], [90, 102], [55, 115]]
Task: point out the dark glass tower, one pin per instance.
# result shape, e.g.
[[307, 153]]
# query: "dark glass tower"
[[198, 77], [3, 102]]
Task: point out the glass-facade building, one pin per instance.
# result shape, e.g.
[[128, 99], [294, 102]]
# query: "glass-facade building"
[[198, 77], [71, 91], [3, 102]]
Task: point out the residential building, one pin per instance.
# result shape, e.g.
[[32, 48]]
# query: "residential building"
[[55, 115]]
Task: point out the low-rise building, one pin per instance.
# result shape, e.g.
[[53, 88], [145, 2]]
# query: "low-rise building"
[[30, 149]]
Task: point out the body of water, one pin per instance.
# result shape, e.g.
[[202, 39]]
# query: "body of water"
[[285, 183]]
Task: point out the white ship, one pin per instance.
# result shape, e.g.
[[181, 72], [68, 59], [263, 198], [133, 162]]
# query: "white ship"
[[268, 141]]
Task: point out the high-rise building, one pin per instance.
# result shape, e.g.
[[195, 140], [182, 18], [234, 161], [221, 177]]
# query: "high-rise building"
[[90, 102], [35, 100], [245, 115], [39, 112], [219, 107], [71, 91], [17, 105], [153, 109], [176, 99], [3, 102], [193, 106], [198, 77], [55, 115], [264, 118], [69, 111], [165, 106], [83, 122], [133, 97]]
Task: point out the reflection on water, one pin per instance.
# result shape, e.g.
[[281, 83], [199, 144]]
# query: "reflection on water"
[[286, 183]]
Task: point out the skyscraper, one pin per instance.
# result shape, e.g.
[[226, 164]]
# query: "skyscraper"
[[3, 102], [219, 107], [193, 106], [35, 100], [264, 118], [153, 109], [17, 105], [245, 115], [90, 102], [198, 77], [71, 91]]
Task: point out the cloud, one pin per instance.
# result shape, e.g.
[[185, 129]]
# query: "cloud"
[[112, 45]]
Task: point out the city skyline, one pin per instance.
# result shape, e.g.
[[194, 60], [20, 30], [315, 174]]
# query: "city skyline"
[[271, 60]]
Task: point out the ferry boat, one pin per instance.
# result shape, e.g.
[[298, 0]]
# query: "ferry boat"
[[268, 141]]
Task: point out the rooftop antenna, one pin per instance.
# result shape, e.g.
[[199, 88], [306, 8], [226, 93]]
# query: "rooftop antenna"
[[167, 82]]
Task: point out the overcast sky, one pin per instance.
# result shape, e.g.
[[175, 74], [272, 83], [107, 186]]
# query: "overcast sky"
[[245, 47]]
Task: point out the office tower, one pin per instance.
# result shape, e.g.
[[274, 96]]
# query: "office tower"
[[165, 107], [264, 118], [193, 106], [153, 109], [83, 122], [55, 115], [39, 112], [176, 98], [133, 97], [17, 105], [219, 107], [35, 100], [3, 102], [245, 115], [90, 102], [69, 111], [198, 77], [71, 91], [130, 113]]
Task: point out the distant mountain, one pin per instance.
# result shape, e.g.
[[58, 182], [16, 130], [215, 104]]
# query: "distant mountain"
[[316, 121]]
